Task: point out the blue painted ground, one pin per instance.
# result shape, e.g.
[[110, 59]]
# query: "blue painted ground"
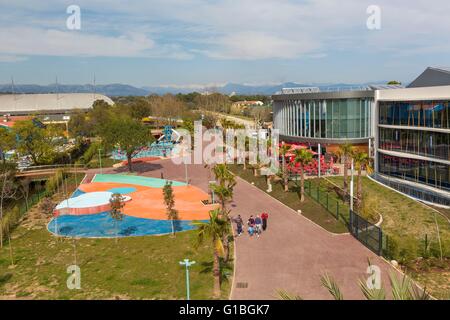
[[103, 226]]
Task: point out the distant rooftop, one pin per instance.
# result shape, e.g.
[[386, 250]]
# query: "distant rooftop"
[[33, 103], [371, 87], [432, 77], [299, 90]]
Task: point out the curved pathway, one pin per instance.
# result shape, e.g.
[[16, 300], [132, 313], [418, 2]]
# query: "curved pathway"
[[291, 255]]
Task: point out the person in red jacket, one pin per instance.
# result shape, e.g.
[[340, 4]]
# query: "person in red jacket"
[[264, 217]]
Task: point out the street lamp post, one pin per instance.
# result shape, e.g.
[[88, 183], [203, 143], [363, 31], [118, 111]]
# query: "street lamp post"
[[100, 160], [212, 190], [185, 159], [320, 153], [351, 187], [187, 264]]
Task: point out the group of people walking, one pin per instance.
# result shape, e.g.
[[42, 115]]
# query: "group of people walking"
[[255, 225]]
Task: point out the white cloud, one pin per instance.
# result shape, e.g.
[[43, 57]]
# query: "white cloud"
[[224, 29], [254, 45]]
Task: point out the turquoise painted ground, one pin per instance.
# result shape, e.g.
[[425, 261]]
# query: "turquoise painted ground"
[[138, 180]]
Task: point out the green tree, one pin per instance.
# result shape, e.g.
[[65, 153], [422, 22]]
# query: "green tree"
[[302, 157], [284, 149], [99, 116], [394, 82], [214, 230], [38, 142], [8, 190], [224, 189], [138, 108], [169, 200], [128, 134], [117, 204], [345, 153], [7, 142], [79, 125], [361, 160]]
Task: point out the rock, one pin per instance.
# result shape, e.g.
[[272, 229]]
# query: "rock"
[[394, 263], [299, 211]]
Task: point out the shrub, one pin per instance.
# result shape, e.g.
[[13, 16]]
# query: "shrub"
[[90, 153], [52, 184], [408, 251], [391, 247], [46, 206], [10, 220]]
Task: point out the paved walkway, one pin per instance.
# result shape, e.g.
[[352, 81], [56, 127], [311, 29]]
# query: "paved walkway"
[[292, 254]]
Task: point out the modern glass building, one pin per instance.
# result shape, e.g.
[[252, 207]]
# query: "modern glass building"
[[405, 130], [329, 118], [413, 141]]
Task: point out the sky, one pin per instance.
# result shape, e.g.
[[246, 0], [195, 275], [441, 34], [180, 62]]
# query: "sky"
[[199, 42]]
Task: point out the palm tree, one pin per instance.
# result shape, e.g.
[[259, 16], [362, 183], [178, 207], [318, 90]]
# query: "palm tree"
[[361, 160], [284, 149], [214, 230], [302, 157], [345, 153], [223, 189], [224, 186]]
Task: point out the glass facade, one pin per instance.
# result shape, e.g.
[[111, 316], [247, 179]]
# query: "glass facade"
[[430, 114], [426, 172], [419, 142], [422, 128], [327, 119]]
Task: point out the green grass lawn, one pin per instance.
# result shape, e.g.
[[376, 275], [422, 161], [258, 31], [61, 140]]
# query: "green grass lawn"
[[133, 268], [310, 208], [406, 222], [106, 162], [402, 216]]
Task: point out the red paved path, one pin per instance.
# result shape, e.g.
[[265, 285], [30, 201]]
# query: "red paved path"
[[292, 254]]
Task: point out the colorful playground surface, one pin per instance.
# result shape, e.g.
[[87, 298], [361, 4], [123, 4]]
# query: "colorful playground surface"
[[86, 212]]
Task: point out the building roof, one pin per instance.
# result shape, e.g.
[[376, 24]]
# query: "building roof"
[[48, 103], [432, 77], [415, 94]]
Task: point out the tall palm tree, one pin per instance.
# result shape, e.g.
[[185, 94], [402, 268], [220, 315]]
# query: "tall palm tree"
[[361, 160], [225, 182], [224, 194], [345, 153], [284, 149], [302, 157], [224, 189], [213, 230]]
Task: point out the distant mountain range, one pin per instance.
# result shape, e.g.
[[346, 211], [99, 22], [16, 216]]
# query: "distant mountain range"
[[118, 89]]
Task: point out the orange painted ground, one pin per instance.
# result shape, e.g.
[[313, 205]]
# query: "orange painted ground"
[[148, 202], [140, 160]]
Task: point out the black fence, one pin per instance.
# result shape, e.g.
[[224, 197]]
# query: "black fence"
[[367, 233]]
